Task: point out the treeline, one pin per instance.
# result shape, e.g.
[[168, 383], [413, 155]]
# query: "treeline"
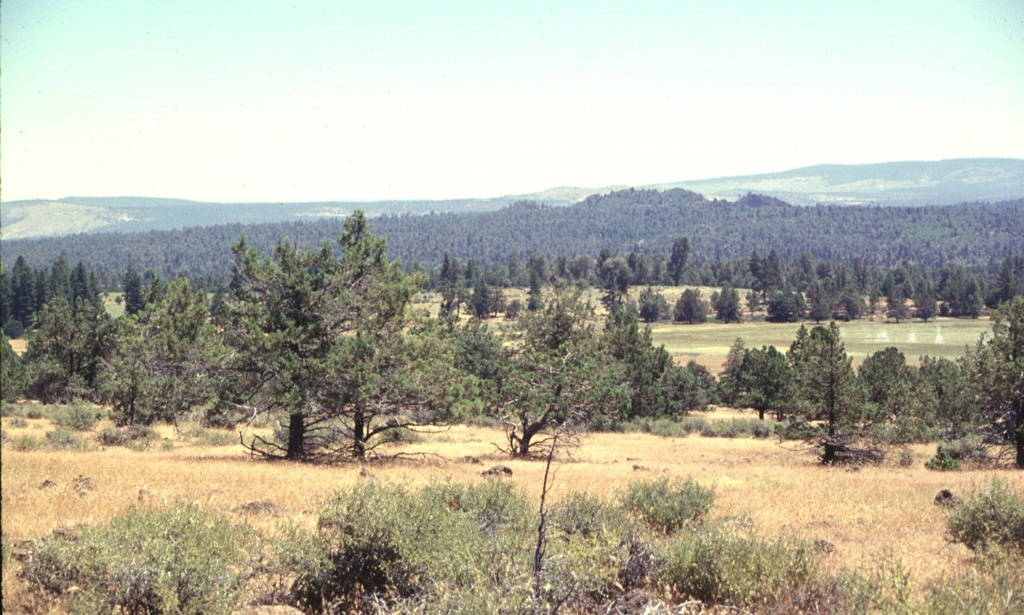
[[975, 235], [325, 345], [786, 291]]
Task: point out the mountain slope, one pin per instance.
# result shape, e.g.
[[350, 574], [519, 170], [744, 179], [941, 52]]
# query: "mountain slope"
[[889, 184]]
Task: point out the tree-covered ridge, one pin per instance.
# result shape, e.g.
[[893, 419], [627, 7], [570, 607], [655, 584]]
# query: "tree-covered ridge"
[[975, 235]]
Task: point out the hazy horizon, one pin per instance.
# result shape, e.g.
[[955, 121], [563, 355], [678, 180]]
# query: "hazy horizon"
[[321, 101]]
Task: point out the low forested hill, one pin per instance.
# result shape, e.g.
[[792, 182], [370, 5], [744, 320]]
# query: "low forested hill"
[[972, 234], [887, 184]]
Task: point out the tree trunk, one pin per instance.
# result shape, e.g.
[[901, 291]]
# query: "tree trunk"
[[830, 453], [358, 436], [1020, 448], [524, 441], [296, 436], [760, 414]]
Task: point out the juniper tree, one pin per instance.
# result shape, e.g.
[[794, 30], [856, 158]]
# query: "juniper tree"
[[327, 343]]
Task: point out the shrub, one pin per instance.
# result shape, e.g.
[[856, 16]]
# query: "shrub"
[[25, 443], [388, 543], [210, 437], [63, 439], [667, 505], [723, 564], [12, 409], [943, 461], [994, 516], [123, 436], [79, 415], [17, 422], [996, 593], [178, 560]]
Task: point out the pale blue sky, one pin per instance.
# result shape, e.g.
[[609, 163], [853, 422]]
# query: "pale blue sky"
[[317, 100]]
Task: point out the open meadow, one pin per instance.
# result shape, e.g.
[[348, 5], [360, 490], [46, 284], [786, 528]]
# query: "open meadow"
[[874, 516], [709, 343]]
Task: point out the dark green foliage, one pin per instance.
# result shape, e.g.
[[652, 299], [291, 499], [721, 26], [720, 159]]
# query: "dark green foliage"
[[677, 261], [690, 308], [554, 379], [656, 386], [13, 377], [165, 358], [943, 461], [991, 518], [133, 297], [786, 306], [653, 306], [324, 343], [996, 371], [66, 353], [178, 560], [727, 305], [827, 386], [667, 505], [976, 233], [764, 381]]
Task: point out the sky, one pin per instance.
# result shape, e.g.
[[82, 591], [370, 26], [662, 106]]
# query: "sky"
[[307, 100]]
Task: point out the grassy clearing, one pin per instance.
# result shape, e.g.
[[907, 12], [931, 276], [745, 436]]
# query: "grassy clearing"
[[869, 515], [709, 343]]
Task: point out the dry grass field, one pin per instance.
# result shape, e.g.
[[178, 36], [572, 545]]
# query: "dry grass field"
[[872, 515]]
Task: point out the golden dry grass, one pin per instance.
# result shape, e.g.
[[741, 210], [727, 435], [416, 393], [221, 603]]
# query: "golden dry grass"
[[870, 514]]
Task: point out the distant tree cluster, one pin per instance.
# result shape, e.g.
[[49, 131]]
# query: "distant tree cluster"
[[843, 411]]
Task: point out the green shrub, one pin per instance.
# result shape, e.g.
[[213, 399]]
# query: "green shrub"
[[998, 591], [994, 516], [667, 505], [210, 437], [11, 409], [123, 436], [388, 543], [79, 415], [178, 560], [17, 422], [35, 412], [722, 564], [942, 461], [25, 443], [63, 439]]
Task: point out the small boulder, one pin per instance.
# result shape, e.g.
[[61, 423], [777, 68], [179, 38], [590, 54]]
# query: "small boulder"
[[47, 484], [947, 498], [498, 470], [83, 485]]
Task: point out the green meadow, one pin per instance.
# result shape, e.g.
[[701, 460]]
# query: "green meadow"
[[709, 343]]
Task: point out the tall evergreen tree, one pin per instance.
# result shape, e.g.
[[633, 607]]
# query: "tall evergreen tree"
[[133, 298], [826, 381], [998, 376], [677, 261], [326, 343]]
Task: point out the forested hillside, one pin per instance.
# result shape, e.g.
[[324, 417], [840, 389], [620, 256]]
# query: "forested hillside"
[[975, 235]]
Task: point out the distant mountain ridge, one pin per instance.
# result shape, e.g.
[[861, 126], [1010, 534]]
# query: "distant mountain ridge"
[[887, 184], [905, 183]]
